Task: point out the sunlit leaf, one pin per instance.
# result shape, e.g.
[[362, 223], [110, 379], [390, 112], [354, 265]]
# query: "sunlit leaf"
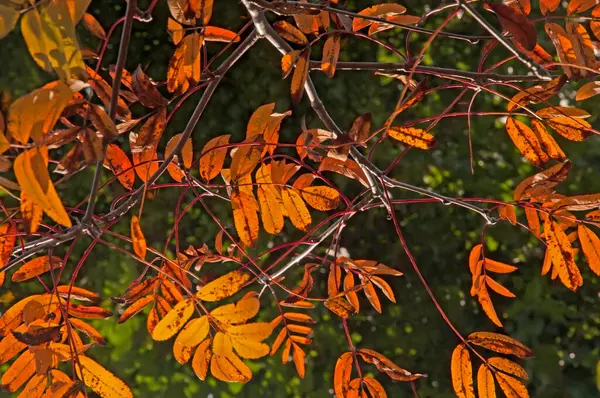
[[100, 380], [174, 320], [500, 343], [36, 267]]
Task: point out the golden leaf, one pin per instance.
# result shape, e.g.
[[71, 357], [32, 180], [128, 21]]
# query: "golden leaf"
[[212, 157], [99, 379], [174, 320], [485, 383], [331, 52], [526, 141], [590, 244], [202, 359], [36, 267], [295, 208], [508, 366], [137, 237], [500, 343], [341, 375], [412, 136]]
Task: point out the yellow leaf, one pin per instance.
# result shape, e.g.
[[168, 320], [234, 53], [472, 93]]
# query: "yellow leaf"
[[462, 373], [212, 158], [321, 197], [223, 287], [245, 309], [270, 210], [251, 331], [485, 383], [230, 369], [33, 177], [202, 359], [49, 33], [103, 382], [35, 114], [174, 320], [250, 349], [137, 237], [412, 136], [193, 333]]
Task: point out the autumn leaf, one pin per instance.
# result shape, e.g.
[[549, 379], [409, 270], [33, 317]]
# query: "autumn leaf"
[[321, 197], [36, 267], [146, 91], [290, 33], [412, 136], [174, 320], [223, 287], [500, 343], [118, 162], [93, 26], [590, 244], [96, 377], [341, 375], [462, 372], [511, 387], [19, 372], [384, 364], [245, 217], [486, 303], [331, 52], [295, 208], [213, 33], [35, 114], [381, 10], [300, 76], [8, 237], [213, 157], [184, 66], [340, 306], [571, 129], [526, 141], [516, 23], [137, 237], [485, 382], [509, 367], [562, 255]]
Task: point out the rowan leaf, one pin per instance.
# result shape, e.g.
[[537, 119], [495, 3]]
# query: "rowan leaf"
[[486, 303], [298, 356], [137, 237], [201, 359], [511, 387], [349, 291], [381, 10], [526, 141], [516, 23], [36, 267], [223, 287], [245, 217], [100, 380], [570, 128], [184, 65], [213, 33], [590, 244], [93, 26], [211, 159], [89, 330], [561, 253], [300, 75], [321, 197], [412, 136], [19, 372], [295, 208], [509, 367], [136, 307], [549, 145], [331, 53], [270, 210], [340, 306], [462, 372], [485, 383], [174, 320], [500, 343], [118, 162], [341, 374], [8, 238], [239, 312], [290, 33]]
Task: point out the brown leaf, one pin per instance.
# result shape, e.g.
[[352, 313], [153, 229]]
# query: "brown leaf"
[[381, 10], [349, 168], [146, 91], [538, 93], [384, 364], [516, 23], [571, 129], [542, 183], [340, 306], [548, 143]]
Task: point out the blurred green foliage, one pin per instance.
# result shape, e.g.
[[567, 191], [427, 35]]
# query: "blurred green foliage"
[[562, 327]]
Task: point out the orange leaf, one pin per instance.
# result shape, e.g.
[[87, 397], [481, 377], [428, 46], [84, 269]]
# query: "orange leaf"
[[564, 48], [89, 330], [19, 372], [93, 26], [485, 383], [174, 320], [298, 317], [579, 6], [300, 75], [349, 168], [8, 236], [296, 209], [298, 356], [508, 366], [306, 22], [589, 89], [474, 256], [321, 197], [500, 343], [512, 387], [186, 153], [371, 294], [88, 312], [542, 183], [538, 93], [202, 359], [571, 129], [137, 237], [384, 364], [486, 303], [10, 346], [462, 372], [381, 10], [245, 217], [350, 294], [36, 267], [246, 157], [498, 288], [96, 377], [146, 91], [590, 244], [270, 210], [341, 375], [136, 307], [32, 174], [211, 160], [526, 141], [290, 33], [498, 267], [340, 306], [212, 33], [120, 165], [184, 65], [412, 136], [223, 287], [230, 368], [548, 143], [331, 52], [562, 255]]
